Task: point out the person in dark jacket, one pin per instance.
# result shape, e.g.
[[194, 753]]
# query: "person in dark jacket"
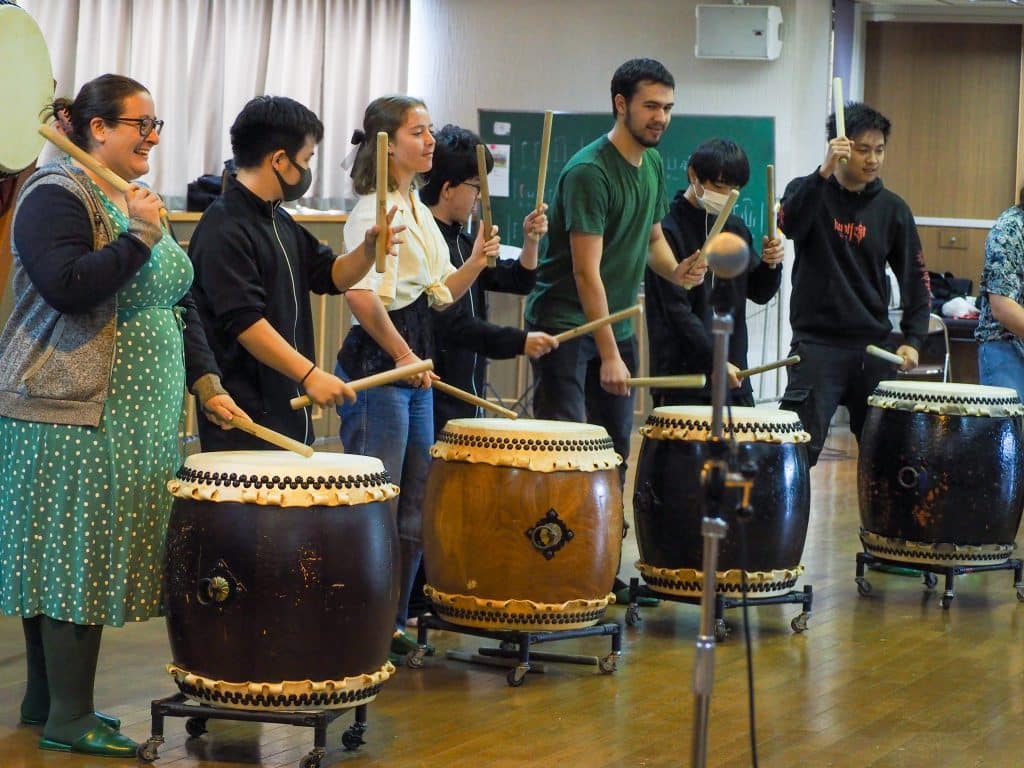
[[255, 267], [464, 338], [679, 320], [846, 226]]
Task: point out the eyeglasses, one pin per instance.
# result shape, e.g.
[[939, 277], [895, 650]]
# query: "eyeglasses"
[[474, 186], [146, 124]]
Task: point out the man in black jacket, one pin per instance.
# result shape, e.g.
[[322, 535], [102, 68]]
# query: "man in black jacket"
[[846, 227], [679, 320], [255, 268], [465, 340]]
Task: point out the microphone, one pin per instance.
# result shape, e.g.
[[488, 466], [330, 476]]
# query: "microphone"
[[727, 255]]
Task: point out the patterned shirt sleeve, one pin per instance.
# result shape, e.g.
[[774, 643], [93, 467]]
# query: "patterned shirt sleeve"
[[1003, 273]]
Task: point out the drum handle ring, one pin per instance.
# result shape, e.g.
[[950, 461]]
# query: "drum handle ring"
[[220, 587], [908, 477]]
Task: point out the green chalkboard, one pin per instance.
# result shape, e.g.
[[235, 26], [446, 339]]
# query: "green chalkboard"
[[570, 131]]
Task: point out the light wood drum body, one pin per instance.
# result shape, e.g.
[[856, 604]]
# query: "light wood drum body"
[[522, 524], [280, 585], [667, 504], [940, 475]]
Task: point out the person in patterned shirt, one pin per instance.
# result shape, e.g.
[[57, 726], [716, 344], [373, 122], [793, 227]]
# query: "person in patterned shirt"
[[1000, 331]]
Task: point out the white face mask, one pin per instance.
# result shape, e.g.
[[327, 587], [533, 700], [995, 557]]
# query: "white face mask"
[[711, 201]]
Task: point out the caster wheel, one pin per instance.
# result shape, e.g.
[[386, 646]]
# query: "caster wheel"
[[507, 645], [147, 751], [945, 601], [721, 630], [609, 663], [195, 727], [799, 623], [930, 580], [352, 739], [414, 659], [1020, 595], [310, 761], [517, 675], [633, 615], [863, 586]]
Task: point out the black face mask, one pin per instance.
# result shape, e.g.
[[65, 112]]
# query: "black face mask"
[[292, 192]]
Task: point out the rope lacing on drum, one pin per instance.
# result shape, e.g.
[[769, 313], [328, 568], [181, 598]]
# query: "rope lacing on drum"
[[945, 398], [790, 427], [235, 479], [507, 443]]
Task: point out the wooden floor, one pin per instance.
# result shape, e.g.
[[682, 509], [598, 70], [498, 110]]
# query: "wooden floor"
[[886, 680]]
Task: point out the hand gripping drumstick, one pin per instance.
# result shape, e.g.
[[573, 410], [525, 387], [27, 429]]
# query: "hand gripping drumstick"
[[376, 380], [461, 394], [687, 381], [485, 198], [746, 372], [272, 437], [722, 217], [883, 354], [837, 102], [593, 325], [62, 142], [545, 145], [772, 228], [382, 201]]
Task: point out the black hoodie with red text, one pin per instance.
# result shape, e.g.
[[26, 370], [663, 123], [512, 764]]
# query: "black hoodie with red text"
[[843, 241]]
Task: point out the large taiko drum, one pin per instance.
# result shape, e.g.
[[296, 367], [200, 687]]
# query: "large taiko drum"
[[667, 502], [26, 88], [522, 524], [280, 586], [940, 476]]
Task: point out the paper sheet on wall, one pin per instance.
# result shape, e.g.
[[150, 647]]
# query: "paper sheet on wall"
[[498, 178]]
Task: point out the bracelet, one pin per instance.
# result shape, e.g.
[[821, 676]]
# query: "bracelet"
[[303, 379], [404, 354]]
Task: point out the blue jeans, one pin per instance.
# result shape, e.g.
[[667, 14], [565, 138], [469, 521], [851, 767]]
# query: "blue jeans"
[[396, 425], [1001, 365]]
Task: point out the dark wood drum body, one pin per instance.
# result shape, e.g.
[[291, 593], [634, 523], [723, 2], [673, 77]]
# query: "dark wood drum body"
[[522, 524], [280, 585], [667, 502], [940, 476]]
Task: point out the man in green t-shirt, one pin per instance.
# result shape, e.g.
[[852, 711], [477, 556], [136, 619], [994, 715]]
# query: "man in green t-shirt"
[[605, 228]]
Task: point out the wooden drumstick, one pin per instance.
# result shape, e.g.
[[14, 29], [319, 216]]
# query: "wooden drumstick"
[[382, 201], [837, 102], [746, 372], [772, 228], [269, 435], [376, 380], [62, 142], [485, 198], [687, 381], [545, 145], [593, 325], [723, 217], [469, 397], [884, 354]]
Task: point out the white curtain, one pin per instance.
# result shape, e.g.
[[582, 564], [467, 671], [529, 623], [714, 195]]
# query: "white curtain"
[[202, 61]]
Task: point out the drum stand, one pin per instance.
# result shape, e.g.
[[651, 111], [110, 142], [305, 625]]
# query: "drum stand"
[[507, 655], [866, 559], [198, 714]]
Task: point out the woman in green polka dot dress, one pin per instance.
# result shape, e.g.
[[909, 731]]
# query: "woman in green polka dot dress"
[[97, 351]]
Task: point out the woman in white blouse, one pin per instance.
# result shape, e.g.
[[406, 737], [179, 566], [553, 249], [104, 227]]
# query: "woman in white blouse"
[[392, 325]]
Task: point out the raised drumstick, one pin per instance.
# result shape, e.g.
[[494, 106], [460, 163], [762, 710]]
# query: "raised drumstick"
[[687, 381], [62, 142], [720, 220], [376, 380], [746, 372], [593, 325], [772, 229], [545, 145], [269, 435], [485, 198], [382, 200], [469, 397], [839, 104], [883, 354]]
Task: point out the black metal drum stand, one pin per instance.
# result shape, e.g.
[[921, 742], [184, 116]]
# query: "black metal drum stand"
[[198, 714], [515, 644], [804, 597]]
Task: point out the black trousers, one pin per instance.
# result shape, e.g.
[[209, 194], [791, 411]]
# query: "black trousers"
[[825, 378]]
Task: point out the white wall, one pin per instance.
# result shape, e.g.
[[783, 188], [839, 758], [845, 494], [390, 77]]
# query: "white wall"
[[560, 54]]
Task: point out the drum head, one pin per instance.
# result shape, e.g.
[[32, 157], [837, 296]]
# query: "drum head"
[[26, 87], [535, 444], [283, 478], [947, 398], [693, 422]]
